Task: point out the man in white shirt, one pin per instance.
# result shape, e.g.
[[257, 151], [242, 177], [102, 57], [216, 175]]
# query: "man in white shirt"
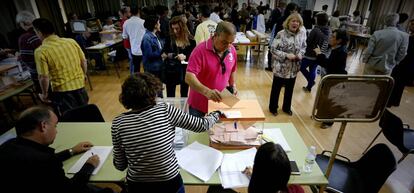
[[206, 29], [215, 15], [134, 30]]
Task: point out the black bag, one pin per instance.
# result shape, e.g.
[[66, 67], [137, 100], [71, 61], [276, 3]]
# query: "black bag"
[[171, 72]]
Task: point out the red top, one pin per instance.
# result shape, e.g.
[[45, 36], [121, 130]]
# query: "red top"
[[295, 189]]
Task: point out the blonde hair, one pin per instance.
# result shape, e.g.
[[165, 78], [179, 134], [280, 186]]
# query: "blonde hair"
[[293, 16]]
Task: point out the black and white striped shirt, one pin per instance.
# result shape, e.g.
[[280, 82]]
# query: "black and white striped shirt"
[[143, 141]]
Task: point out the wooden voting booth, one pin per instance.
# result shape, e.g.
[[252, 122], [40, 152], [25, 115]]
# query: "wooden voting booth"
[[251, 113], [342, 98]]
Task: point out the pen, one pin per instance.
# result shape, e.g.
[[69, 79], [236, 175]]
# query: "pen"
[[235, 125]]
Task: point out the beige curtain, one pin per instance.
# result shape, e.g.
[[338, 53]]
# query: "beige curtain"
[[380, 8], [344, 6]]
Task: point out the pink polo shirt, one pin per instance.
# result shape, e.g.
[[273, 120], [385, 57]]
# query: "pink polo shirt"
[[204, 62]]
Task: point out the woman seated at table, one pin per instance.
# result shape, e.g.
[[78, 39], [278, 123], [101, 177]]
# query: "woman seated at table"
[[143, 137], [271, 171]]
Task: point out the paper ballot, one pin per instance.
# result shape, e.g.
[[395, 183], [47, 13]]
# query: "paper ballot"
[[200, 160], [276, 135], [228, 99], [233, 164], [101, 151]]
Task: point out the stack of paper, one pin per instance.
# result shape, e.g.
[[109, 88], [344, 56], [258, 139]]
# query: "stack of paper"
[[275, 135], [101, 151], [233, 164], [179, 139], [200, 160], [234, 134]]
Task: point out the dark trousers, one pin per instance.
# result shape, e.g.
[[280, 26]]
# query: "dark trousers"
[[158, 75], [269, 59], [63, 101], [277, 85], [136, 64], [311, 74], [194, 112], [174, 185], [183, 89]]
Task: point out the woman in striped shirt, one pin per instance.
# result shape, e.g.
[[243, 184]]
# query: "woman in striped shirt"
[[143, 137]]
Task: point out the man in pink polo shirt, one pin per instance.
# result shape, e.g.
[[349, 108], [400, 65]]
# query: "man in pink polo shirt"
[[211, 68]]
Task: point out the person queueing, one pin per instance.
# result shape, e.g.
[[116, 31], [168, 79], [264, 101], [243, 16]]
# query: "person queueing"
[[178, 48], [288, 49]]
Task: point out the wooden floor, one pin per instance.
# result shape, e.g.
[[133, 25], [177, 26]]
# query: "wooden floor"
[[254, 82]]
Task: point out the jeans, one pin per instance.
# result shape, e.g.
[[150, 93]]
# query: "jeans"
[[311, 74], [277, 84]]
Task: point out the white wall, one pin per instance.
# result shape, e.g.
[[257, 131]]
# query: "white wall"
[[320, 3], [354, 5]]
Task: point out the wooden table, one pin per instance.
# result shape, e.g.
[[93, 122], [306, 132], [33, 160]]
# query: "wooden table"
[[103, 48]]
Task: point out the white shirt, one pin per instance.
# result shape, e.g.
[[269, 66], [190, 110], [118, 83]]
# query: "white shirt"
[[214, 17], [261, 23], [134, 30]]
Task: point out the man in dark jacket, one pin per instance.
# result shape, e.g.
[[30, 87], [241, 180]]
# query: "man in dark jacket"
[[27, 164]]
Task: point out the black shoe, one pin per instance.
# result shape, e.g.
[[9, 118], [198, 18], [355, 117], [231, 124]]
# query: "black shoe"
[[326, 125], [274, 113], [289, 112], [269, 69], [306, 89]]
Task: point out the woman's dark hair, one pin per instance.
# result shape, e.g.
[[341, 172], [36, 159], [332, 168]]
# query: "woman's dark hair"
[[139, 91], [342, 35], [44, 26], [336, 13], [150, 22], [271, 170]]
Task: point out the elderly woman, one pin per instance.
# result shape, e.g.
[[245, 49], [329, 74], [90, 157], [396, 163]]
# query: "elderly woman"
[[287, 49], [178, 47], [143, 137]]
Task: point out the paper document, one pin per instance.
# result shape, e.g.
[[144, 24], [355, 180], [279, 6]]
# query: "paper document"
[[101, 151], [276, 135], [200, 160], [184, 62], [232, 114], [233, 164], [228, 99]]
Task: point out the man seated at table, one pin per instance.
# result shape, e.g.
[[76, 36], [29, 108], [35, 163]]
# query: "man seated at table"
[[84, 40], [28, 161]]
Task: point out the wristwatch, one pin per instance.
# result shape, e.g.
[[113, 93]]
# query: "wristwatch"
[[70, 151]]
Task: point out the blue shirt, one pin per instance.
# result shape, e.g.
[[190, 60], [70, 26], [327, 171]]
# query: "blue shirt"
[[151, 52]]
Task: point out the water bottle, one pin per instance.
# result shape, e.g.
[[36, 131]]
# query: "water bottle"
[[309, 160]]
